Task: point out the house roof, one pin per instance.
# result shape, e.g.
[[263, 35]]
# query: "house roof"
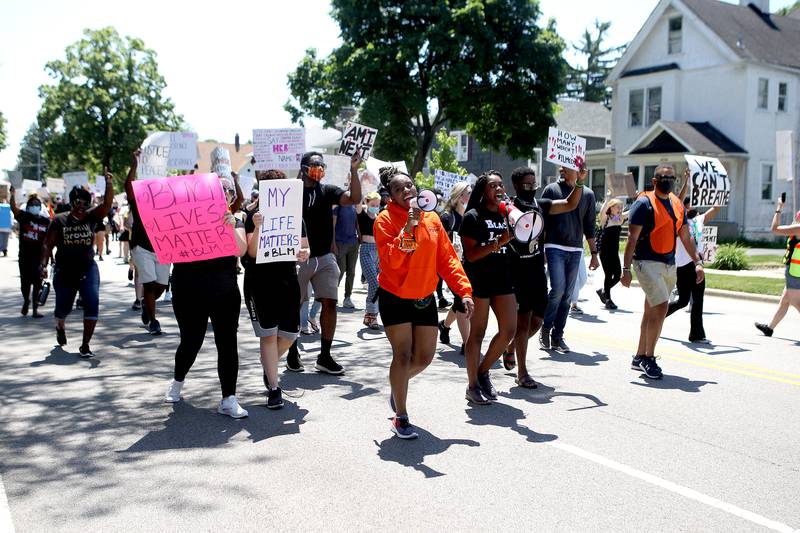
[[587, 119], [238, 159], [667, 137], [751, 34]]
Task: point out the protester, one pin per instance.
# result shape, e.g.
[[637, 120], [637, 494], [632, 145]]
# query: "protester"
[[414, 250], [32, 230], [563, 250], [580, 282], [443, 303], [321, 268], [656, 218], [791, 293], [75, 271], [5, 225], [346, 248], [208, 289], [484, 234], [612, 217], [61, 206], [100, 235], [369, 255], [308, 313], [527, 267]]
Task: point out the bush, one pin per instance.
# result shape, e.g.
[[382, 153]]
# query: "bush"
[[730, 257]]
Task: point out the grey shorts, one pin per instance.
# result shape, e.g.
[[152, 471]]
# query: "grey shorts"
[[656, 279], [148, 268], [323, 273], [792, 282]]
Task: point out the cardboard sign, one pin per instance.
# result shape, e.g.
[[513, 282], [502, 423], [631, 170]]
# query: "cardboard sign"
[[15, 177], [221, 162], [281, 203], [565, 149], [337, 170], [784, 147], [444, 181], [709, 244], [55, 185], [623, 185], [708, 182], [183, 217], [4, 189], [75, 179], [279, 149], [357, 138], [164, 150], [182, 150]]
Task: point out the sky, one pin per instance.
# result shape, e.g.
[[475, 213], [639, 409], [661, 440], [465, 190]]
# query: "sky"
[[225, 63]]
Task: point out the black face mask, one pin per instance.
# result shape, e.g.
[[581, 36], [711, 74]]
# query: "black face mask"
[[691, 213], [664, 186], [527, 195]]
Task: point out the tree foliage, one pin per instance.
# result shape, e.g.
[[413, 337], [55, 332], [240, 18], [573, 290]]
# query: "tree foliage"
[[412, 66], [105, 99], [788, 9], [587, 82], [442, 158], [28, 158], [3, 142]]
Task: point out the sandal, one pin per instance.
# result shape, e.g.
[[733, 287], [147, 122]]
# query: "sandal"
[[371, 321], [509, 361], [526, 382], [313, 324]]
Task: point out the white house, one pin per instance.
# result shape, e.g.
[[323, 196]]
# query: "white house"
[[712, 78]]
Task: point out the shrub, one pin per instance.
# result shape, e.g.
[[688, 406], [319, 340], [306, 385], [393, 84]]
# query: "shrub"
[[730, 257]]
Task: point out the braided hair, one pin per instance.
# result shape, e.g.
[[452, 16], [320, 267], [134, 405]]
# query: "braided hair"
[[479, 189], [386, 174]]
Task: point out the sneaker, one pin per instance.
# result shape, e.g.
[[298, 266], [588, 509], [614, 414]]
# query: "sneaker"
[[559, 345], [765, 329], [85, 352], [444, 303], [174, 392], [328, 366], [154, 328], [24, 310], [485, 384], [601, 295], [403, 428], [475, 396], [305, 331], [130, 274], [544, 339], [167, 296], [61, 336], [274, 398], [574, 310], [137, 305], [636, 363], [444, 333], [313, 324], [36, 314], [700, 341], [293, 363], [651, 368], [229, 406], [348, 304], [610, 305], [145, 316]]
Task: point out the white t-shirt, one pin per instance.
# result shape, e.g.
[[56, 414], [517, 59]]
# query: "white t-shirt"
[[695, 224]]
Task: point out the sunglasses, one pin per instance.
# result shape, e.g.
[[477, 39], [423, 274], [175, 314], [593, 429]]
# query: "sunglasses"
[[664, 177], [80, 203]]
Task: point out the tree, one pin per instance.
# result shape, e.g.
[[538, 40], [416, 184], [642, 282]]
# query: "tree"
[[412, 66], [788, 9], [3, 143], [105, 99], [28, 158], [442, 158], [588, 82]]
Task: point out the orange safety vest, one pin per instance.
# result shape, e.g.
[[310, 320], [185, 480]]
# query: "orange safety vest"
[[794, 260], [665, 231]]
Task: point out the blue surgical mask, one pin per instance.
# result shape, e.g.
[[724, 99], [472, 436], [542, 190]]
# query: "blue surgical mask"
[[34, 209], [373, 210]]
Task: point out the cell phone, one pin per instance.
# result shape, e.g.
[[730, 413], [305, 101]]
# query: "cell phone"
[[783, 197]]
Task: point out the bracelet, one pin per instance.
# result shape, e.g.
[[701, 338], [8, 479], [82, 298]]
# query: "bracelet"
[[626, 269], [777, 211]]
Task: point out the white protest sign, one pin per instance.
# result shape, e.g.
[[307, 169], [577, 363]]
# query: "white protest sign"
[[164, 150], [784, 145], [30, 186], [708, 182], [281, 203], [43, 193], [370, 179], [15, 177], [279, 149], [357, 138], [221, 163], [337, 170], [565, 149], [246, 184], [55, 185], [75, 179], [182, 150], [709, 244], [99, 185], [444, 181]]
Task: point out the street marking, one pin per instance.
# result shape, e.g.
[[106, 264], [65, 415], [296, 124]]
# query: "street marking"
[[686, 492], [5, 511]]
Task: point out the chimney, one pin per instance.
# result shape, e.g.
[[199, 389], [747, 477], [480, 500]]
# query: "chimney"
[[761, 5]]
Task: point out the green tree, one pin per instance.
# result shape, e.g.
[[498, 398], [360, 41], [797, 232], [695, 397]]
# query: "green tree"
[[588, 82], [3, 142], [28, 158], [788, 9], [411, 66], [105, 99], [442, 158]]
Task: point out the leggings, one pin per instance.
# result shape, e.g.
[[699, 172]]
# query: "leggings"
[[369, 266], [194, 303], [609, 258], [29, 278]]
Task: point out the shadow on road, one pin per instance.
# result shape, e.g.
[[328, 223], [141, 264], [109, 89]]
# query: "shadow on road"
[[673, 383], [578, 358], [59, 356], [412, 453], [710, 349], [544, 394], [505, 416]]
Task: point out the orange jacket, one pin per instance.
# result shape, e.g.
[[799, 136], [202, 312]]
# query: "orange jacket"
[[662, 238], [413, 275]]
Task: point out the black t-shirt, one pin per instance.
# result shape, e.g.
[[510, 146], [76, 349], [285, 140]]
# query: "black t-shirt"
[[32, 229], [318, 203], [139, 235], [209, 268], [61, 208], [643, 214], [482, 225], [75, 241], [366, 223], [265, 269], [524, 251], [451, 221]]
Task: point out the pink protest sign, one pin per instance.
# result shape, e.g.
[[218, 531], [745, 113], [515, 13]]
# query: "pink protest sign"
[[183, 217]]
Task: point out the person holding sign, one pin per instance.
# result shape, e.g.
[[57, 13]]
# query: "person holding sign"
[[32, 230], [407, 281], [612, 217], [368, 255], [656, 219], [75, 271]]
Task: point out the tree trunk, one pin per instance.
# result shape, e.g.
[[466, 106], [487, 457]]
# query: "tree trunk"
[[423, 147]]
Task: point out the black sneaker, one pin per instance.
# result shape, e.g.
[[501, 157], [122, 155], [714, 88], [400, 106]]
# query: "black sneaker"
[[444, 333], [544, 339], [145, 316], [611, 305], [85, 352], [651, 368], [24, 310], [559, 345], [154, 328], [130, 275], [403, 428], [601, 295], [328, 366], [293, 363], [485, 384], [443, 303], [636, 363], [475, 396], [274, 399], [765, 329], [61, 336], [137, 305]]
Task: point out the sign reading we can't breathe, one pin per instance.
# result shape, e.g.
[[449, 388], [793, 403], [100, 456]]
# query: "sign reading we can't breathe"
[[565, 149], [708, 182]]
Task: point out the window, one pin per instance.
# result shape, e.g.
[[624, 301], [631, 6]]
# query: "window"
[[598, 183], [636, 108], [674, 44], [653, 105], [763, 93], [766, 181], [649, 172], [462, 145], [782, 95]]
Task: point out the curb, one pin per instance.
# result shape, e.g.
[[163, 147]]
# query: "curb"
[[747, 296]]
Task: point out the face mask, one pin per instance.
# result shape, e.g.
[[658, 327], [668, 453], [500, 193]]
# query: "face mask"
[[316, 173], [34, 210], [373, 210], [527, 195], [664, 186]]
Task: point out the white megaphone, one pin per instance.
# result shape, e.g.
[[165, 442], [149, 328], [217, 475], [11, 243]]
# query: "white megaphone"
[[426, 200], [526, 226]]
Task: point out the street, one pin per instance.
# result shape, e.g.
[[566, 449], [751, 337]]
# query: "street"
[[89, 445]]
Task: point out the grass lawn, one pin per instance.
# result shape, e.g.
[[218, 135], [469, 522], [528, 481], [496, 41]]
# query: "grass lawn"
[[751, 284], [761, 261]]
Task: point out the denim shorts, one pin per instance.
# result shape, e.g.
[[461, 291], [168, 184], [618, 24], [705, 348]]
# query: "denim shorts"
[[68, 284]]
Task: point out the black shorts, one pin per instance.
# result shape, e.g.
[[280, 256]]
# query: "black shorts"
[[530, 287], [395, 310], [273, 300], [496, 286], [125, 236]]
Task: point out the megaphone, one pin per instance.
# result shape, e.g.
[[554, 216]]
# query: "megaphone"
[[427, 200], [526, 226]]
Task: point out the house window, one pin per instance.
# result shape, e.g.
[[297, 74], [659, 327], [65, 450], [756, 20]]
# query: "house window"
[[674, 44], [636, 108], [783, 89], [462, 145], [653, 105], [649, 172], [763, 93], [598, 183], [766, 181], [635, 172]]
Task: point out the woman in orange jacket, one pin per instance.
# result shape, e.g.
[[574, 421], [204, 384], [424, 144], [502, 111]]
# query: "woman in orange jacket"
[[413, 250]]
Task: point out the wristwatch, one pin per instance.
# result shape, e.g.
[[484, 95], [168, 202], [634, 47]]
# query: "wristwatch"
[[699, 263]]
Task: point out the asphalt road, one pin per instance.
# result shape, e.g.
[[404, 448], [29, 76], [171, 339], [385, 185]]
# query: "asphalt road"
[[88, 445]]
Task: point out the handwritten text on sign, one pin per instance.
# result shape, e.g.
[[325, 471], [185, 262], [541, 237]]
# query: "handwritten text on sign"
[[708, 181], [709, 244], [358, 138], [565, 149], [281, 203], [279, 149], [165, 150], [444, 181], [183, 216]]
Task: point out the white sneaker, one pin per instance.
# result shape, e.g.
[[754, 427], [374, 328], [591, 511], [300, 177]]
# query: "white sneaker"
[[174, 393], [229, 406], [167, 296], [348, 304]]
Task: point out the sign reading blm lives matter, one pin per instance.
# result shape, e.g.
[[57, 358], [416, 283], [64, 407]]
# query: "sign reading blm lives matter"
[[358, 138], [565, 149], [709, 185], [279, 149], [281, 203], [183, 216]]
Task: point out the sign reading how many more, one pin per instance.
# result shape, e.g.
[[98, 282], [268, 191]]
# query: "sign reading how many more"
[[281, 203], [164, 150], [358, 138], [709, 185], [279, 149], [183, 217], [565, 149], [444, 181]]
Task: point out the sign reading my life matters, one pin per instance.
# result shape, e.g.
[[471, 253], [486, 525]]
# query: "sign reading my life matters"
[[358, 138], [183, 217], [709, 185], [279, 149], [565, 149], [281, 203]]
